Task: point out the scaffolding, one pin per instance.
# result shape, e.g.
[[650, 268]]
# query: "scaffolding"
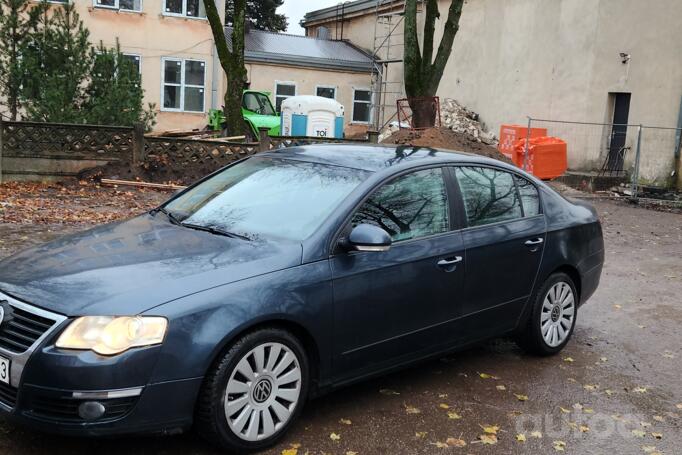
[[387, 78]]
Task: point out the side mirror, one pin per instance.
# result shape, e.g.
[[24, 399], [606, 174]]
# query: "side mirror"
[[367, 237]]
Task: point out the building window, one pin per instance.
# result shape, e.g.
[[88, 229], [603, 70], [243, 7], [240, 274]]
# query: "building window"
[[135, 60], [361, 105], [188, 8], [183, 85], [326, 91], [123, 5], [283, 90]]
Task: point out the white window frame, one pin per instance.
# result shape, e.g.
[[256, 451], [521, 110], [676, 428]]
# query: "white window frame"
[[333, 87], [116, 7], [286, 96], [182, 84], [183, 14], [139, 59], [369, 103]]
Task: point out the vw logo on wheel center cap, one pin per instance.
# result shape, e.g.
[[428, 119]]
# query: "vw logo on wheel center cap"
[[556, 312], [262, 390]]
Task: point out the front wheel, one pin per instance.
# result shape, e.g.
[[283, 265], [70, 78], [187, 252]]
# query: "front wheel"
[[254, 392], [552, 318]]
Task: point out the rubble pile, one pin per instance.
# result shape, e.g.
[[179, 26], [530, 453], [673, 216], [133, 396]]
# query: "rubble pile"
[[464, 121]]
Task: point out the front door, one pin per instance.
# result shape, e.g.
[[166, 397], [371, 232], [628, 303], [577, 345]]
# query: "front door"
[[621, 114], [392, 305], [504, 244]]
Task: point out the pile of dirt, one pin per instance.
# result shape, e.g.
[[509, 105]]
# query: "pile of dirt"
[[444, 138]]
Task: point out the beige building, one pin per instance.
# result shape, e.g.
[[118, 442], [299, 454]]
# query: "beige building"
[[599, 61], [171, 43]]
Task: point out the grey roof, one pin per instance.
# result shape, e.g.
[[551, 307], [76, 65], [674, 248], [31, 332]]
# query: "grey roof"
[[296, 50], [347, 8]]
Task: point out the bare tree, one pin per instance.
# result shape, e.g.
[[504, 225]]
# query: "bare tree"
[[423, 73], [232, 60]]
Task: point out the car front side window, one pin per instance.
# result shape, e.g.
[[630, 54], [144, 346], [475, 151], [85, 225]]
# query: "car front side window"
[[411, 206], [490, 195]]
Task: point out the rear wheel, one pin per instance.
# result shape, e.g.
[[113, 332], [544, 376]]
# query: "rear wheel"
[[254, 392], [552, 318]]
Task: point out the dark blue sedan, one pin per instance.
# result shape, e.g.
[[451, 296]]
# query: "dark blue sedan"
[[281, 277]]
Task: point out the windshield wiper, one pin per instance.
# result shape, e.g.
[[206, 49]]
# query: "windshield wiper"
[[216, 231], [173, 219]]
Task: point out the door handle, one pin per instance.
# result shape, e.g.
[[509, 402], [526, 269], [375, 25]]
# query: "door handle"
[[453, 261], [537, 241], [450, 264]]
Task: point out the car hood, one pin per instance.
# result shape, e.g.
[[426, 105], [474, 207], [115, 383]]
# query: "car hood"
[[129, 267]]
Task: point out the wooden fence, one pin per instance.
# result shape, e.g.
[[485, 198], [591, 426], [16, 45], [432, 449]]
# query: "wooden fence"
[[51, 151]]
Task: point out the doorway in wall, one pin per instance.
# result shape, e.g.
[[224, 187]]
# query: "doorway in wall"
[[618, 140]]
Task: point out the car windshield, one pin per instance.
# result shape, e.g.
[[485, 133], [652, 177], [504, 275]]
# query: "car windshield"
[[268, 197], [258, 103]]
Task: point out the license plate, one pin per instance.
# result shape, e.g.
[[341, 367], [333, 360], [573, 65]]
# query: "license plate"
[[4, 370]]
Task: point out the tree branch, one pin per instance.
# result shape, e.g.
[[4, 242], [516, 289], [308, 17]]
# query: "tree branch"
[[445, 47]]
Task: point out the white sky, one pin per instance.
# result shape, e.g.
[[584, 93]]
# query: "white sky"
[[296, 9]]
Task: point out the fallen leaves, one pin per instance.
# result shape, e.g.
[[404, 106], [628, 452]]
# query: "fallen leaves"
[[500, 387], [657, 435], [86, 203], [568, 359], [454, 416], [490, 429], [521, 437], [536, 434], [640, 389], [444, 406], [345, 421], [639, 433], [559, 446], [678, 406], [456, 442], [412, 410], [488, 376], [488, 439], [290, 452], [335, 437], [388, 392], [521, 397]]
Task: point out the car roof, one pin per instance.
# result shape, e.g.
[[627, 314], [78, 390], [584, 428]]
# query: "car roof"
[[374, 158]]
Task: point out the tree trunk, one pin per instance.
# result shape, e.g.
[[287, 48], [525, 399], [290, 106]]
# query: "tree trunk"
[[232, 62], [422, 75]]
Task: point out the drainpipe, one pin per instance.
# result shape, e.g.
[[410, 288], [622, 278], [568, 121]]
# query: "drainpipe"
[[678, 149]]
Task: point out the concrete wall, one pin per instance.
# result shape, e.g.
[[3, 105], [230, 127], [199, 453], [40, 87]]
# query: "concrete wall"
[[153, 35], [559, 60], [264, 77]]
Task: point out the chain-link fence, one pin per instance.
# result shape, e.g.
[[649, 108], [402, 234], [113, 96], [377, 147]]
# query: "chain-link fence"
[[645, 157]]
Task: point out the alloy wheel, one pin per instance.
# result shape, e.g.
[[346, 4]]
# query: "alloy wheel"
[[263, 391], [558, 312]]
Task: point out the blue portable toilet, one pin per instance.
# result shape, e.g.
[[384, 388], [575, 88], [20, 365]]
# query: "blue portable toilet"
[[313, 116]]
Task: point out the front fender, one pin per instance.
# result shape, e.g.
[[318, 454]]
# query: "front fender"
[[202, 325]]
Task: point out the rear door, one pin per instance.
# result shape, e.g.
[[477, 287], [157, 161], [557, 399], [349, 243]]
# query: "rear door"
[[390, 306], [504, 245]]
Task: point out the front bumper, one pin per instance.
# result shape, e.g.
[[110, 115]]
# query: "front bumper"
[[160, 408], [48, 386]]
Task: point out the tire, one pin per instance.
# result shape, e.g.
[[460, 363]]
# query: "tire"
[[265, 397], [552, 317]]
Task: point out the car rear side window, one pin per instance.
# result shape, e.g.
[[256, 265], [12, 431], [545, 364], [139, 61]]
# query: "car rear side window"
[[412, 206], [529, 197], [490, 195]]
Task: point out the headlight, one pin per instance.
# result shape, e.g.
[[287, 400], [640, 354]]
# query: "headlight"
[[108, 335]]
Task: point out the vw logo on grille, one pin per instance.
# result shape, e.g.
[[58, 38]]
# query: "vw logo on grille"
[[262, 390]]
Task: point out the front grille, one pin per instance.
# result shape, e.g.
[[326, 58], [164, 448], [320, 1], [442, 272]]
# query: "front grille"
[[21, 328], [8, 395]]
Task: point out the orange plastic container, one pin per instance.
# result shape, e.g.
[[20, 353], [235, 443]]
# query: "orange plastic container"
[[509, 134], [547, 158]]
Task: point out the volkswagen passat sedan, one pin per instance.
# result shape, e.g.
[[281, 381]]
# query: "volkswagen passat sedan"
[[281, 277]]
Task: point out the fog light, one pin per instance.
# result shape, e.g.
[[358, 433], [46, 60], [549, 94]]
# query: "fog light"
[[91, 410]]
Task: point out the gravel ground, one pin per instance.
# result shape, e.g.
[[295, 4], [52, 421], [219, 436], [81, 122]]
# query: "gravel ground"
[[615, 388]]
